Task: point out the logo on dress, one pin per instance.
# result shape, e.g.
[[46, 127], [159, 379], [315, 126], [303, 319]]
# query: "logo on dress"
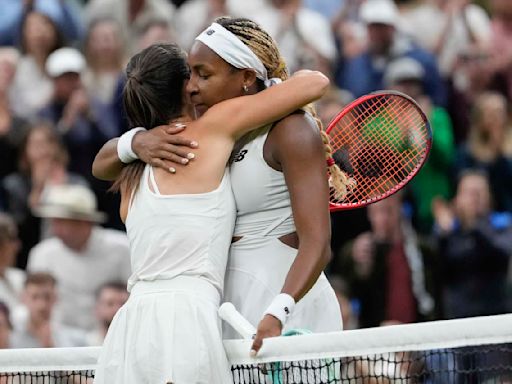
[[240, 155], [286, 310], [210, 32]]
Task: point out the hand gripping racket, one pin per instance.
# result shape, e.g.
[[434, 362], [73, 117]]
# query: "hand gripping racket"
[[381, 140]]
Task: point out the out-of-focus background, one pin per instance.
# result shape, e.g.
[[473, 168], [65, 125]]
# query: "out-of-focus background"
[[439, 250]]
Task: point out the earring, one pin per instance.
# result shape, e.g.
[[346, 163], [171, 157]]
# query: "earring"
[[246, 88]]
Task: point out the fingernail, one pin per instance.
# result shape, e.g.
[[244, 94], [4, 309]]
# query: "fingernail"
[[252, 353], [184, 161], [194, 143], [191, 155], [172, 170]]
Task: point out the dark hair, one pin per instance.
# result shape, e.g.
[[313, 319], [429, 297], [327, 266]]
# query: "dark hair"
[[8, 228], [115, 285], [7, 313], [152, 96], [40, 278], [59, 37]]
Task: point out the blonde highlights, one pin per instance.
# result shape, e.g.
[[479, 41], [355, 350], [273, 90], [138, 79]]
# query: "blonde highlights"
[[265, 47]]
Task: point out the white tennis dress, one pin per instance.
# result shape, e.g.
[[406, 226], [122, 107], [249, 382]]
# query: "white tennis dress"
[[259, 262], [169, 331]]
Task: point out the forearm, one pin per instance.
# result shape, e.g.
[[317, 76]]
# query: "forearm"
[[309, 263], [107, 165]]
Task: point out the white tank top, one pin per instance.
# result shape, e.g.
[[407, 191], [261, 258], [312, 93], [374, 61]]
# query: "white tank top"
[[183, 234], [261, 195]]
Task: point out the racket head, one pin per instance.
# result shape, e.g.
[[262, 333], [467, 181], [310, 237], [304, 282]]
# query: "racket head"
[[381, 140]]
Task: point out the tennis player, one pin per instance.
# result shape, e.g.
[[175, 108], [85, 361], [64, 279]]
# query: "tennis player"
[[282, 233], [180, 226]]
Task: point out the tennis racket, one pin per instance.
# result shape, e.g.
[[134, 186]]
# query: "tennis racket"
[[381, 140]]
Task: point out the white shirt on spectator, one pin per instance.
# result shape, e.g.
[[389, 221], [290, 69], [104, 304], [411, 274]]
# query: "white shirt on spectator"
[[313, 30], [425, 25], [11, 285], [80, 275], [32, 89], [62, 336]]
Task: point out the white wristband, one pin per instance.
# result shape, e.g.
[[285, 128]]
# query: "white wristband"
[[281, 307], [124, 146]]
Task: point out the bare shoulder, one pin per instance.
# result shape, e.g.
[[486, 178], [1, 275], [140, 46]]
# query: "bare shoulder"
[[296, 131]]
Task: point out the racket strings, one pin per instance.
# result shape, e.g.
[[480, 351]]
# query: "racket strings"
[[382, 141]]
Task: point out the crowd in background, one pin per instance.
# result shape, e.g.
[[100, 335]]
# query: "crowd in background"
[[438, 250]]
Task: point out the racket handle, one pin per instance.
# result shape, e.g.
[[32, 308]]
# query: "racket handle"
[[228, 313]]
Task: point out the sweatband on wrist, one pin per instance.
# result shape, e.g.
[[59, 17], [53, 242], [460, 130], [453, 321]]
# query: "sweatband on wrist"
[[281, 307], [124, 146]]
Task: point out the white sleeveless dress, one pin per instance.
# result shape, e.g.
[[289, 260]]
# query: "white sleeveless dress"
[[259, 262], [169, 330]]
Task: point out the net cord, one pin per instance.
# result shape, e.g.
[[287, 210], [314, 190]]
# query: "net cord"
[[362, 342]]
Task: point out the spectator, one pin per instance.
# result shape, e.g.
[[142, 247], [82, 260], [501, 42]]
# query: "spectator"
[[194, 16], [41, 330], [104, 52], [11, 126], [388, 270], [155, 32], [474, 246], [132, 16], [110, 297], [304, 36], [82, 256], [407, 75], [32, 88], [364, 73], [500, 43], [85, 123], [42, 162], [65, 13], [448, 29], [11, 279], [348, 306], [489, 147], [5, 327]]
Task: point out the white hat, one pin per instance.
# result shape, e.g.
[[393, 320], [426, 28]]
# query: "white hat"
[[379, 12], [68, 201], [65, 60], [404, 68]]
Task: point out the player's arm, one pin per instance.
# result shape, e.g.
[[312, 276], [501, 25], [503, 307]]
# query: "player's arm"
[[238, 116], [300, 152], [160, 147]]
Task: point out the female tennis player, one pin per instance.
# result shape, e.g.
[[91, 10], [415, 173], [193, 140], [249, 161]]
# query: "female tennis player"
[[180, 226], [282, 233]]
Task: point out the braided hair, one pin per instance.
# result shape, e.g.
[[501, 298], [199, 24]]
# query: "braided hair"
[[265, 48]]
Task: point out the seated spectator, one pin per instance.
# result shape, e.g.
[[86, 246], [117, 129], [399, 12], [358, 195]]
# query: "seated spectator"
[[82, 256], [434, 179], [489, 147], [5, 327], [474, 245], [104, 53], [42, 162], [501, 25], [388, 270], [12, 127], [132, 16], [32, 87], [348, 306], [304, 36], [110, 297], [156, 32], [41, 330], [364, 73], [11, 279], [85, 124]]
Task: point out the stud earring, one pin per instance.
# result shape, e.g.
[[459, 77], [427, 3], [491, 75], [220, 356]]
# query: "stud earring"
[[246, 88]]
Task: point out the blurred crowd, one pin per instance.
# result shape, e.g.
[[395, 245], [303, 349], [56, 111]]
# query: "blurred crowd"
[[438, 250]]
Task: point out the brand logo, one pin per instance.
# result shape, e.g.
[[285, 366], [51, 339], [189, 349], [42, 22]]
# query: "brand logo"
[[240, 155], [210, 32]]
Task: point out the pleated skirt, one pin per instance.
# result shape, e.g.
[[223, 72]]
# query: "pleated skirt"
[[167, 332]]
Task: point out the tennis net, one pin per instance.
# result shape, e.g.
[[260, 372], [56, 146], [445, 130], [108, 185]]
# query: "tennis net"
[[476, 350]]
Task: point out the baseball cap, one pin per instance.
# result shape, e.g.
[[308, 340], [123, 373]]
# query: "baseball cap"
[[379, 12], [65, 60], [404, 68]]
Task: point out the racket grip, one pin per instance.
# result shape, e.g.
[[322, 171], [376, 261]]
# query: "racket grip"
[[228, 313]]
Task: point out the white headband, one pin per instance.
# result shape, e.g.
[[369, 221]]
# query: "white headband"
[[232, 50]]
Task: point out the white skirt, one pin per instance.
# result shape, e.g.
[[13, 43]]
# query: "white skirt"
[[167, 332], [257, 269]]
